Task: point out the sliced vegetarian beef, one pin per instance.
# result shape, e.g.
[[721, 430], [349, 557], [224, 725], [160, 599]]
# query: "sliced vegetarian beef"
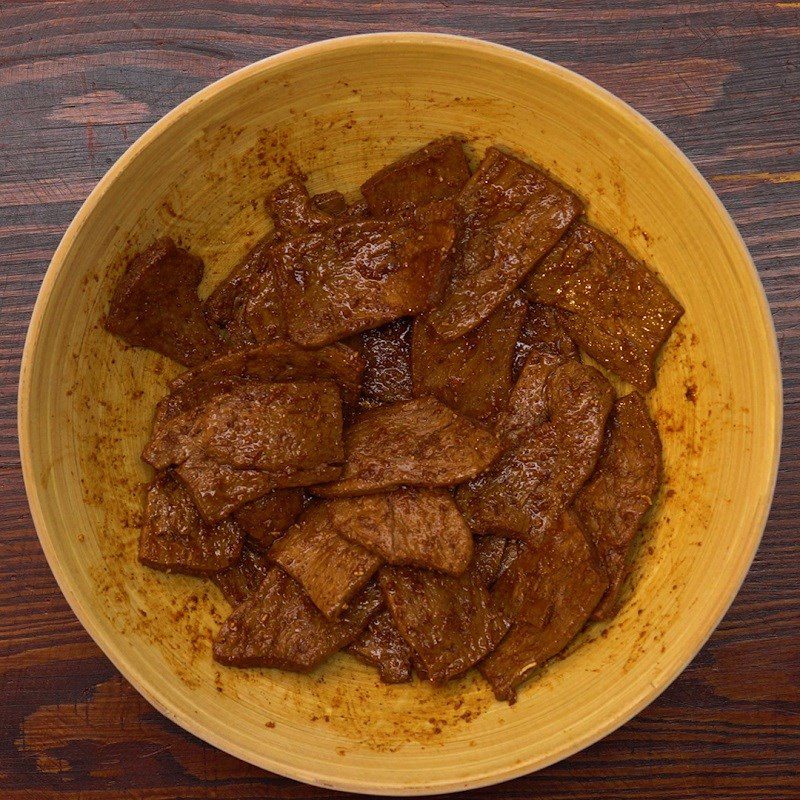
[[513, 214], [265, 520], [449, 622], [278, 626], [155, 305], [619, 311], [293, 211], [435, 172], [381, 646], [548, 593], [359, 275], [241, 579], [330, 568], [543, 338], [419, 527], [417, 442], [387, 364], [471, 374], [613, 502], [547, 459], [174, 538], [489, 556], [332, 203]]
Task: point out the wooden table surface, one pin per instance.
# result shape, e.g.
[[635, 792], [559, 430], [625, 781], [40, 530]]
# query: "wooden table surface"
[[79, 81]]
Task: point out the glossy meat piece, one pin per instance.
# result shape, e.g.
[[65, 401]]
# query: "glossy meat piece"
[[419, 527], [332, 203], [359, 275], [278, 626], [549, 594], [220, 489], [261, 315], [330, 568], [241, 579], [489, 554], [223, 305], [471, 374], [266, 426], [547, 459], [264, 520], [513, 215], [381, 646], [434, 172], [613, 502], [155, 305], [449, 623], [543, 338], [620, 313], [387, 364], [293, 211], [417, 442], [175, 539], [278, 361]]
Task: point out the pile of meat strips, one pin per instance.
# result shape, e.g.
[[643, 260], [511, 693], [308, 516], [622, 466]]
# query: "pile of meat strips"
[[386, 440]]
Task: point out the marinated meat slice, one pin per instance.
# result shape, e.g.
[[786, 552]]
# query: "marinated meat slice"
[[332, 203], [264, 520], [219, 489], [278, 626], [329, 567], [175, 539], [155, 305], [293, 212], [278, 361], [387, 364], [241, 579], [543, 334], [548, 459], [471, 374], [419, 527], [381, 646], [513, 215], [613, 503], [620, 313], [359, 275], [435, 172], [549, 593], [489, 554], [261, 315], [223, 304], [449, 623], [276, 427], [417, 442]]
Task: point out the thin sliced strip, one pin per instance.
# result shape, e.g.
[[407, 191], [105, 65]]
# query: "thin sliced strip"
[[265, 520], [278, 626], [619, 311], [436, 171], [155, 305], [546, 461], [174, 538], [419, 527], [241, 579], [330, 568], [359, 275], [387, 364], [293, 211], [471, 374], [513, 215], [613, 503], [381, 646], [549, 594], [450, 623], [417, 442]]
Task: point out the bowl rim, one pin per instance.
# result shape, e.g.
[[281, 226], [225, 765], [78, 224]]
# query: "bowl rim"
[[24, 419]]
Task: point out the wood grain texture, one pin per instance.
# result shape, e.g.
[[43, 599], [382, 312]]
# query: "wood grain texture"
[[79, 81]]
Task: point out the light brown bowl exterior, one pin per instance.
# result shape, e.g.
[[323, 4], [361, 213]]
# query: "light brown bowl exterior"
[[338, 110]]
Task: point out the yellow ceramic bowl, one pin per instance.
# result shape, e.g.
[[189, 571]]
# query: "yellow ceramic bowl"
[[338, 110]]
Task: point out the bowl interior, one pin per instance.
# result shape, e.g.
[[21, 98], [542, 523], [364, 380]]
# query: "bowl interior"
[[337, 111]]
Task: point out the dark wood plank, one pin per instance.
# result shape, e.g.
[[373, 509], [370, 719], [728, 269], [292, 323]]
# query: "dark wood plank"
[[79, 81]]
